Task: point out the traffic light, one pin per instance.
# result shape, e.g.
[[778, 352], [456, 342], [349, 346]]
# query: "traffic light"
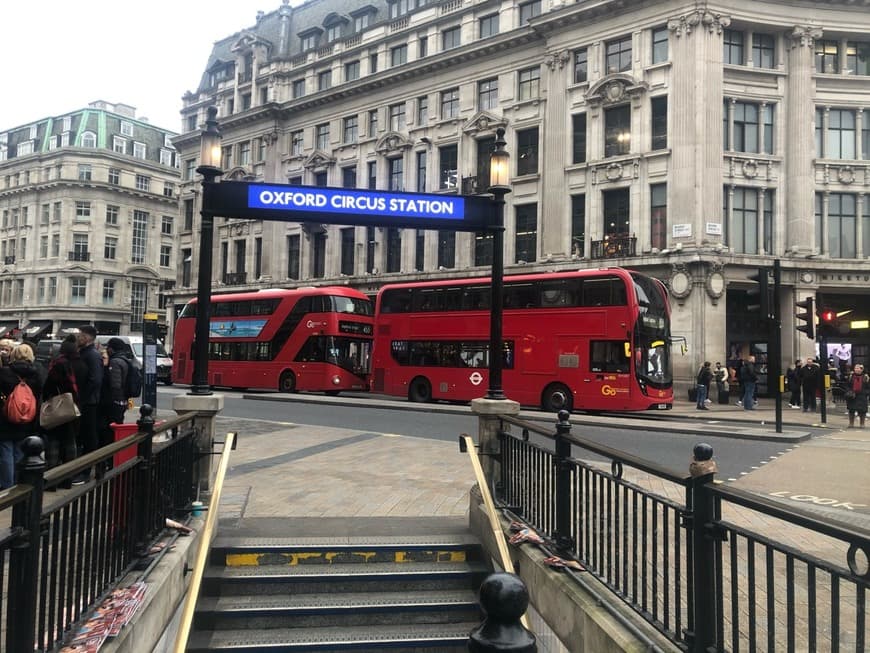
[[759, 301], [828, 323], [809, 316]]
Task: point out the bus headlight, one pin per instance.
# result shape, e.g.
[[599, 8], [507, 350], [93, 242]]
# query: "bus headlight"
[[336, 380]]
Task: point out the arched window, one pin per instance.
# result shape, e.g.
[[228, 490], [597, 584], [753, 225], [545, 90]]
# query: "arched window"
[[89, 139]]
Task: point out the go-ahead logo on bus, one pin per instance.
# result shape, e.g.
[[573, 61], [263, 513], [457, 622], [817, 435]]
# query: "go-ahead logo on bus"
[[608, 391]]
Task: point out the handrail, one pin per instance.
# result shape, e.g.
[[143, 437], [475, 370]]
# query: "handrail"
[[500, 538], [202, 549]]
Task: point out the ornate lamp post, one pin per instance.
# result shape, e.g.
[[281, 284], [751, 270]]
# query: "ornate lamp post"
[[499, 176], [209, 168]]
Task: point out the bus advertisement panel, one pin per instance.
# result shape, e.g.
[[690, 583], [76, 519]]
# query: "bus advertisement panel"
[[594, 340], [309, 339]]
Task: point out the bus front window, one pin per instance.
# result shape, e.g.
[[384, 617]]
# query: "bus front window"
[[653, 361]]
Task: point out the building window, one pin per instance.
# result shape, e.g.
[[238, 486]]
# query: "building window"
[[258, 258], [297, 142], [858, 60], [166, 157], [398, 55], [372, 175], [143, 183], [617, 131], [423, 47], [348, 247], [450, 104], [451, 38], [659, 107], [348, 177], [361, 22], [749, 121], [446, 249], [166, 225], [483, 248], [138, 304], [488, 26], [527, 151], [448, 161], [78, 290], [83, 210], [333, 33], [658, 216], [841, 134], [421, 172], [119, 145], [397, 116], [373, 63], [529, 10], [320, 179], [186, 267], [245, 153], [110, 248], [743, 227], [350, 130], [165, 255], [618, 54], [422, 110], [373, 123], [168, 189], [526, 238], [108, 291], [308, 42], [581, 68], [732, 42], [370, 250], [616, 212], [139, 150], [52, 289], [827, 56], [191, 123], [842, 222], [298, 88], [260, 149], [140, 236], [351, 71], [55, 245], [43, 247], [293, 256], [399, 8], [763, 51], [419, 249], [126, 128], [487, 94], [322, 136], [767, 222], [188, 215], [578, 226], [660, 44], [324, 80], [189, 169], [85, 172], [529, 83], [40, 290], [396, 174], [578, 122], [394, 249]]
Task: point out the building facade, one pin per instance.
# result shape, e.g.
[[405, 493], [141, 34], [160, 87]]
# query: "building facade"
[[89, 209], [692, 141]]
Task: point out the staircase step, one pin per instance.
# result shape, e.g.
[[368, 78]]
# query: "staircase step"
[[347, 610], [322, 578], [437, 638]]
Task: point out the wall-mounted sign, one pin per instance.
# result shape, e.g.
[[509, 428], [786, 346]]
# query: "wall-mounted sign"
[[714, 229], [350, 206], [682, 231]]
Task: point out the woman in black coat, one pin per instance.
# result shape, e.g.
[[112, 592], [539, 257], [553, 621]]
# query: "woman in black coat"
[[21, 367], [857, 389], [60, 446]]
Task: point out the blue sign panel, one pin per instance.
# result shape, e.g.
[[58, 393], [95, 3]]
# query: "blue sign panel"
[[221, 328], [249, 200]]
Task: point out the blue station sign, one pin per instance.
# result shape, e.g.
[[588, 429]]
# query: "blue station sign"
[[351, 206]]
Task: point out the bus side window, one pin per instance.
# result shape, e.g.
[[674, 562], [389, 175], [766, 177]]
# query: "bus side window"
[[608, 356]]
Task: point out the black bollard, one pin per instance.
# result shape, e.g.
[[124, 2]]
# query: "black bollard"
[[504, 598]]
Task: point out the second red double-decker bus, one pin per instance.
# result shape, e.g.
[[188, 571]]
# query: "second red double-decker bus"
[[311, 339], [595, 340]]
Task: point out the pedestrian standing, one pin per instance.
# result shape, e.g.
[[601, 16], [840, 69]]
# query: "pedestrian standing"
[[61, 441], [705, 375], [6, 347], [749, 377], [857, 389], [793, 380], [113, 398], [720, 375], [810, 378], [89, 394], [20, 368]]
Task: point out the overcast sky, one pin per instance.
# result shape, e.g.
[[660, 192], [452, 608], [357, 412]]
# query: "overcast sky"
[[59, 55]]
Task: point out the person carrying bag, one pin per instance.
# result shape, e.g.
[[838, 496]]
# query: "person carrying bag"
[[60, 411]]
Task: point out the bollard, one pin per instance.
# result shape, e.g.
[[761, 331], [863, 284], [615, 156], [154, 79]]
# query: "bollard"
[[142, 500], [702, 633], [504, 599], [562, 470]]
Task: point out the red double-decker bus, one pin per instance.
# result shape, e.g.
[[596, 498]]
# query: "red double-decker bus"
[[310, 339], [594, 340]]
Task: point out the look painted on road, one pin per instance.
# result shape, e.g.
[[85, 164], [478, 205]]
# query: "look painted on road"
[[819, 501]]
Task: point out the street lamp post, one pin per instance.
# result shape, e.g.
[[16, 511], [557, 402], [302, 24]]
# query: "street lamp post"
[[209, 168], [499, 176]]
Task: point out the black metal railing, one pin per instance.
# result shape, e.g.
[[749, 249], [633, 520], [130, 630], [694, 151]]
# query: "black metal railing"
[[235, 278], [64, 551], [614, 246], [79, 256], [674, 559]]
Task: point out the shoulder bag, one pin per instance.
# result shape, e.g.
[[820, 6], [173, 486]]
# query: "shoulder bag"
[[58, 410]]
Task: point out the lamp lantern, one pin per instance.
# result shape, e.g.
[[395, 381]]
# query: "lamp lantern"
[[210, 142], [499, 163]]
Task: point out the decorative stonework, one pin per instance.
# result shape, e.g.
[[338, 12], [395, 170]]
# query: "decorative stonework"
[[846, 175], [614, 89], [680, 282], [270, 138], [557, 59], [615, 171], [700, 19], [804, 36], [317, 160], [750, 168], [392, 143], [715, 281], [483, 123]]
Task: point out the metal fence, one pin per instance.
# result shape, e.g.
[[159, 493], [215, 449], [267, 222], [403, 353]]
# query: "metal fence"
[[62, 553], [707, 583]]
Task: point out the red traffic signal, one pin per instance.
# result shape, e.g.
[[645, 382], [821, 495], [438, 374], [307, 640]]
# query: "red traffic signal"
[[828, 316]]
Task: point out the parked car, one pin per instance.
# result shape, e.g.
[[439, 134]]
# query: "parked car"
[[136, 344]]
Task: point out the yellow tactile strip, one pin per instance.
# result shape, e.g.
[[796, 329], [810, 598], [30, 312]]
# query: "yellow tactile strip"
[[292, 559]]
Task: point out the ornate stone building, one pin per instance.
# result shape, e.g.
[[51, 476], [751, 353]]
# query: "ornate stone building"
[[695, 141], [89, 208]]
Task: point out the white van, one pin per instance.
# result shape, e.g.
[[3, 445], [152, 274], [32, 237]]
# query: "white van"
[[135, 343]]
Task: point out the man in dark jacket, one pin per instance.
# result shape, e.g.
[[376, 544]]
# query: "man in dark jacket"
[[705, 375], [749, 377], [89, 391], [113, 398], [810, 377], [20, 368]]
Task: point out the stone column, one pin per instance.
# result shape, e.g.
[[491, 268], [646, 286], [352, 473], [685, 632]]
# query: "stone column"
[[759, 227], [800, 139], [554, 202], [696, 130], [859, 230]]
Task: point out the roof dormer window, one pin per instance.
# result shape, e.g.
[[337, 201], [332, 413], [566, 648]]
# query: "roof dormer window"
[[309, 39]]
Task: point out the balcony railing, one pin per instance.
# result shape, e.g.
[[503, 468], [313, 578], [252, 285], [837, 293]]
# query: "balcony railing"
[[245, 77], [617, 246], [235, 278], [79, 256]]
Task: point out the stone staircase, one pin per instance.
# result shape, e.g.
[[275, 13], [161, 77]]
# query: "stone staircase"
[[400, 593]]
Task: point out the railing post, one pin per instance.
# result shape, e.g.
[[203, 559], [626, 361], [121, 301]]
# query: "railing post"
[[702, 469], [562, 536], [24, 554], [504, 599], [143, 479]]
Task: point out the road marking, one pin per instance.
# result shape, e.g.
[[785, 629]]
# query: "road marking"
[[819, 501]]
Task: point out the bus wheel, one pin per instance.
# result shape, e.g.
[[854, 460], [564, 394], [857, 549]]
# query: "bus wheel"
[[556, 397], [287, 383], [420, 390]]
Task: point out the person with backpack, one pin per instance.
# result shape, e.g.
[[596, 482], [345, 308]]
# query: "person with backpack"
[[60, 445], [20, 386], [749, 377], [113, 397]]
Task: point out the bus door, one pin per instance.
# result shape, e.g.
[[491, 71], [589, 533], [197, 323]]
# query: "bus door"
[[607, 382]]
